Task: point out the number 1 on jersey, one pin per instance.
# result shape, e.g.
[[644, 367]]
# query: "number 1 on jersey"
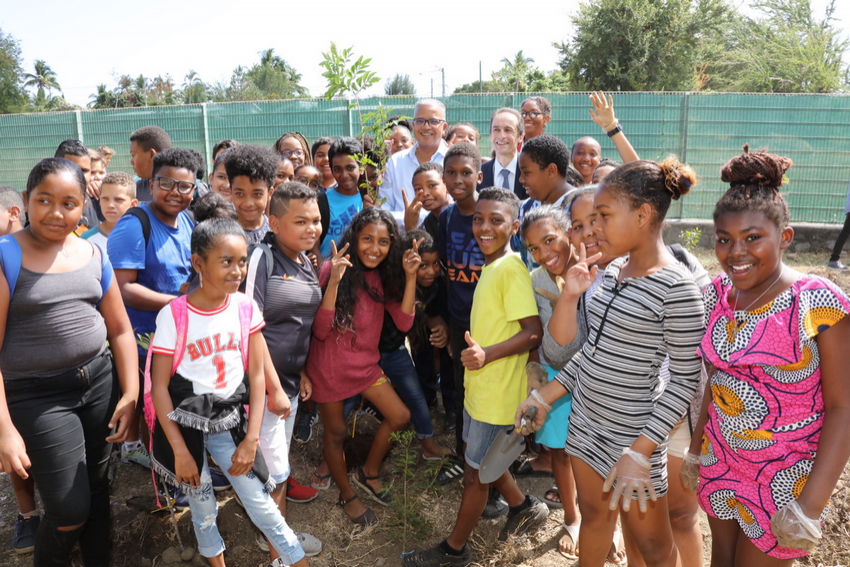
[[218, 362]]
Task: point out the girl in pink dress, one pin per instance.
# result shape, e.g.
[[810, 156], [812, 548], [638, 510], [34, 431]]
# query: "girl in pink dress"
[[771, 441]]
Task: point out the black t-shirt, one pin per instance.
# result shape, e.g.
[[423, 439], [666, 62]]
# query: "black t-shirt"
[[289, 301], [143, 190]]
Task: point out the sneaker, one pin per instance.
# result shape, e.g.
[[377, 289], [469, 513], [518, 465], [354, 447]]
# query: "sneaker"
[[138, 455], [450, 421], [436, 557], [533, 514], [297, 492], [304, 422], [451, 470], [25, 528], [836, 265], [219, 480], [311, 545], [496, 506], [277, 563]]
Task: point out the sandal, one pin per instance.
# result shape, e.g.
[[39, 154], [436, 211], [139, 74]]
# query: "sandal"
[[451, 470], [321, 478], [572, 531], [618, 544], [360, 479], [524, 468], [367, 518], [549, 501]]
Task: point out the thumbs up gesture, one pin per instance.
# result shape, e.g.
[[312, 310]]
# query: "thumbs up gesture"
[[474, 357]]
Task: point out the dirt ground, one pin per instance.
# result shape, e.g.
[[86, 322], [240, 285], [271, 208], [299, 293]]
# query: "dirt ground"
[[139, 539]]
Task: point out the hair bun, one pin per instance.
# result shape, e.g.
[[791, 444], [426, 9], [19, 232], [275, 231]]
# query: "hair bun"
[[758, 169], [679, 178]]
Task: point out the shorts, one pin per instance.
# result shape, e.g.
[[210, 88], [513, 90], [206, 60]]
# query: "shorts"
[[554, 432], [679, 439], [478, 437], [275, 439]]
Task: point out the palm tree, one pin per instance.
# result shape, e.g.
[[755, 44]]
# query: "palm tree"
[[103, 98], [43, 78], [194, 89], [517, 70]]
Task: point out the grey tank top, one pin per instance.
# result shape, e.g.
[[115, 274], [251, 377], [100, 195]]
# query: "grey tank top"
[[53, 324]]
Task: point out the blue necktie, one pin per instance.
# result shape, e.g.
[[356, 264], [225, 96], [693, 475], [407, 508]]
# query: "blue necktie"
[[504, 173]]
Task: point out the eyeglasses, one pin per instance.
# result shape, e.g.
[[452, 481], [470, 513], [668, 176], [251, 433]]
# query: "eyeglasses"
[[423, 121], [532, 114], [168, 184], [314, 185], [290, 153]]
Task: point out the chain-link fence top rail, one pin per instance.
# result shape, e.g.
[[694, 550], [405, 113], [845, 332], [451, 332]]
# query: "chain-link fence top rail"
[[704, 130]]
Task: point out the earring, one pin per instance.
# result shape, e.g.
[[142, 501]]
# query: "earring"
[[201, 279]]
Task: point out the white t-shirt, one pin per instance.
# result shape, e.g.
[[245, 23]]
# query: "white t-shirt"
[[213, 357]]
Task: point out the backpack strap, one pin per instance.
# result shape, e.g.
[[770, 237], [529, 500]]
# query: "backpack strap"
[[678, 252], [144, 219], [180, 312], [246, 312], [255, 253], [325, 213], [10, 261]]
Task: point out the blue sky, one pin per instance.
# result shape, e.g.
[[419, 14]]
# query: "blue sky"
[[91, 43]]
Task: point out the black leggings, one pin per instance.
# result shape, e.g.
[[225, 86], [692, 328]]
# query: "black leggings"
[[64, 421], [841, 240], [458, 342]]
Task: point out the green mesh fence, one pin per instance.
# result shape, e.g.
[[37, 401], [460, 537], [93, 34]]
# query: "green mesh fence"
[[703, 129]]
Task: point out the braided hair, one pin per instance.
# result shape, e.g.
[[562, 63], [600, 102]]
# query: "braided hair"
[[754, 180]]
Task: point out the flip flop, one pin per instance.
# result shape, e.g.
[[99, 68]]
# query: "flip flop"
[[618, 543], [322, 478], [384, 497], [572, 531], [524, 468], [549, 502]]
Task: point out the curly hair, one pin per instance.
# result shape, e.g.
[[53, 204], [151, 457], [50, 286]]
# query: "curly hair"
[[181, 158], [649, 182], [467, 150], [252, 161], [546, 149], [391, 270], [754, 180], [305, 146]]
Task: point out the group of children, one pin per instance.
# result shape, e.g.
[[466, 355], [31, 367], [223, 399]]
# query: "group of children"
[[282, 289]]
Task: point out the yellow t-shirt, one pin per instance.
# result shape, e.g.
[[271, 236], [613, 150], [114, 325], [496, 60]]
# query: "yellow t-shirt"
[[503, 296]]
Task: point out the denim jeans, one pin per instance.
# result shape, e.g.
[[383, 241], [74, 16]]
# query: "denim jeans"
[[423, 359], [399, 368], [258, 504], [64, 422], [276, 440]]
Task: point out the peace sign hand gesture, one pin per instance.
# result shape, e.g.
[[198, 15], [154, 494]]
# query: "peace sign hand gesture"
[[411, 211], [581, 275], [339, 262], [412, 260]]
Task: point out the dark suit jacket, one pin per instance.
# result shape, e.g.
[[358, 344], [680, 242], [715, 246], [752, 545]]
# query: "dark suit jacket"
[[487, 180]]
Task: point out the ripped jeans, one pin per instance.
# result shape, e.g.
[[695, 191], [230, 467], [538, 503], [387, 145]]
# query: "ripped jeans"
[[258, 504]]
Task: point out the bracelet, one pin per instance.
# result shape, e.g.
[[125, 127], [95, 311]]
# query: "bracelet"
[[636, 457], [616, 130], [539, 399]]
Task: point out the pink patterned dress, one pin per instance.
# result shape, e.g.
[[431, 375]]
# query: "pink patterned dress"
[[767, 411]]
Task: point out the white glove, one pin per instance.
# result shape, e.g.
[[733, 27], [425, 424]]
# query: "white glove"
[[690, 471], [631, 472], [794, 529]]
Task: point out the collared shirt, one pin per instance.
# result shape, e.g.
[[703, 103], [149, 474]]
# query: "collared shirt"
[[400, 174], [497, 175]]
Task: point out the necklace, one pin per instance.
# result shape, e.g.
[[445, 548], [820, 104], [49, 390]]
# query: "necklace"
[[747, 308]]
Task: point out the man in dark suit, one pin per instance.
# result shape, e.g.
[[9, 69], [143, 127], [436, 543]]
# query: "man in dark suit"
[[506, 132]]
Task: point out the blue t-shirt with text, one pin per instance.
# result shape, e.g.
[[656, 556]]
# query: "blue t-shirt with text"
[[163, 265], [463, 260], [343, 208]]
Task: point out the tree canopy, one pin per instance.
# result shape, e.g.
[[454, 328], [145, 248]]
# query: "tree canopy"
[[399, 85], [13, 97]]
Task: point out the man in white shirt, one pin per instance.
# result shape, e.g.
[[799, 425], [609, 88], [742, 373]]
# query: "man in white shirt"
[[429, 125], [506, 132]]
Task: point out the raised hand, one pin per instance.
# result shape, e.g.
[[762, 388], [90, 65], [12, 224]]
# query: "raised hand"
[[581, 275], [473, 357], [412, 260], [411, 211], [603, 111], [339, 262]]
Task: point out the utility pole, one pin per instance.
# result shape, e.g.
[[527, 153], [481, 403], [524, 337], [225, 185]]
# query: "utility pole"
[[432, 87], [444, 81], [480, 78]]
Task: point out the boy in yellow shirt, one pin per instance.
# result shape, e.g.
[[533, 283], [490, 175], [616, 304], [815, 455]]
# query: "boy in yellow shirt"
[[505, 327]]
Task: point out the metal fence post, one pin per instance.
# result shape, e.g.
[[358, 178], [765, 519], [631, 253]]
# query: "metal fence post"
[[79, 122], [206, 128], [683, 141]]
